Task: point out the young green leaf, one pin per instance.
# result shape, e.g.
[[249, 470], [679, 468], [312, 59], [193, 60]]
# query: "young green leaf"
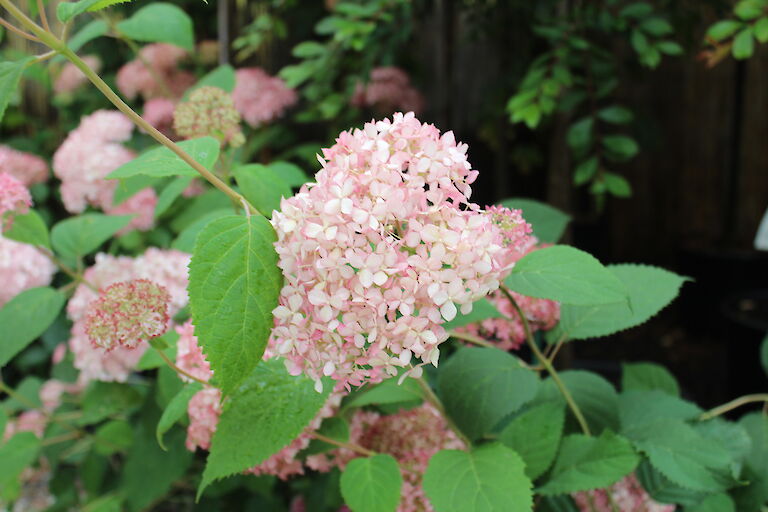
[[615, 114], [663, 490], [567, 275], [479, 386], [760, 29], [535, 435], [743, 44], [648, 377], [75, 237], [161, 161], [25, 317], [262, 187], [490, 478], [580, 134], [723, 29], [68, 10], [29, 228], [617, 184], [175, 410], [645, 301], [548, 223], [275, 406], [586, 170], [372, 484], [10, 74], [586, 463], [160, 22], [234, 284], [620, 147], [17, 453]]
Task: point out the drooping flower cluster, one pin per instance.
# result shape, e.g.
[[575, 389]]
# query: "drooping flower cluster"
[[209, 111], [626, 495], [167, 268], [508, 333], [381, 251], [14, 199], [388, 90], [410, 436], [22, 267], [127, 313], [71, 78], [155, 73], [159, 113], [259, 97], [25, 167]]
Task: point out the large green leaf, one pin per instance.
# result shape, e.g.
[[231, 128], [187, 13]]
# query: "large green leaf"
[[186, 240], [275, 406], [10, 74], [388, 392], [548, 223], [664, 490], [25, 317], [262, 187], [490, 478], [75, 237], [648, 377], [586, 463], [567, 275], [160, 22], [234, 284], [372, 484], [290, 173], [18, 453], [161, 161], [595, 396], [29, 228], [481, 310], [650, 290], [535, 435], [170, 193], [105, 399], [175, 410], [638, 407], [720, 502], [89, 32], [480, 386]]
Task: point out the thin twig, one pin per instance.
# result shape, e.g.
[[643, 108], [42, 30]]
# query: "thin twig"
[[471, 339], [179, 370], [733, 404], [43, 15], [341, 444], [18, 31]]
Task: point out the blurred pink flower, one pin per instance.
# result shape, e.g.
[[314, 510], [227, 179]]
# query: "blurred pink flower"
[[14, 199], [259, 97], [136, 78], [25, 167], [22, 267], [388, 90], [142, 204], [71, 78], [159, 113]]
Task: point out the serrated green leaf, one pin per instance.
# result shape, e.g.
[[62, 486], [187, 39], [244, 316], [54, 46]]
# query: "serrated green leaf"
[[234, 284], [723, 29], [25, 317], [169, 194], [594, 395], [372, 484], [585, 463], [275, 406], [75, 237], [535, 435], [17, 453], [490, 478], [65, 11], [731, 436], [620, 147], [662, 489], [481, 310], [480, 386], [175, 410], [743, 44], [290, 173], [548, 223], [10, 74], [262, 187], [186, 240], [639, 407], [29, 228], [581, 322], [648, 377], [160, 22], [388, 392], [161, 161], [567, 275]]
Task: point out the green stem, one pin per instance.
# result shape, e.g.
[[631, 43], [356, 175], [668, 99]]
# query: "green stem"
[[55, 44], [432, 398], [179, 370], [547, 364], [350, 446], [471, 339], [733, 404]]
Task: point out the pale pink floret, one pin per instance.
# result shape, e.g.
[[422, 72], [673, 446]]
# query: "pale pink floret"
[[135, 78], [71, 78], [167, 268], [159, 113], [25, 167], [259, 97], [14, 199], [88, 155], [381, 251], [627, 495], [388, 90], [142, 204], [28, 421], [22, 267], [189, 355], [52, 391], [204, 409]]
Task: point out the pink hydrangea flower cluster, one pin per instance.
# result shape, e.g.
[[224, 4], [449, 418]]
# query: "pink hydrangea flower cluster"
[[25, 167], [380, 251], [259, 97], [410, 436], [88, 155], [388, 90], [159, 113], [71, 78], [127, 314], [22, 267], [28, 421], [142, 204], [167, 268], [626, 495], [14, 198], [155, 61], [508, 333]]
